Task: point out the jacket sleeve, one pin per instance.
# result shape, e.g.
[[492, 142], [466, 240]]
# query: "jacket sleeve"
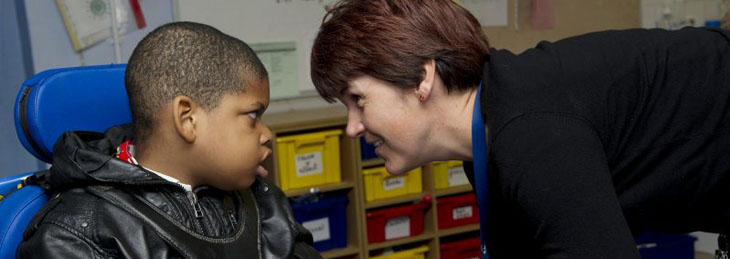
[[555, 168], [50, 240], [281, 235]]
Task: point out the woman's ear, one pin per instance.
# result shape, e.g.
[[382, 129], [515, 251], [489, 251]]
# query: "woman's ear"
[[185, 118], [424, 88]]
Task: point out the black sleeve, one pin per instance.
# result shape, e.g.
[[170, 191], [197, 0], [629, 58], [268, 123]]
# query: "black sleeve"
[[57, 241], [554, 167], [281, 235]]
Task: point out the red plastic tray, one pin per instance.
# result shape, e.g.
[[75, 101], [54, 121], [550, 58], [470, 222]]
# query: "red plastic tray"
[[462, 249], [397, 222], [457, 211]]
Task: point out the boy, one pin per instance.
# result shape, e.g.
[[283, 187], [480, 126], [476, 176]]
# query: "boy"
[[168, 185]]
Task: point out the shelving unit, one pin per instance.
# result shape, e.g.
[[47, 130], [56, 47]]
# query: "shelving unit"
[[303, 121]]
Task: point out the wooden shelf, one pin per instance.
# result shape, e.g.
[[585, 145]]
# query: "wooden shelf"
[[320, 188], [306, 119], [395, 200], [350, 250], [457, 230], [413, 239], [453, 190], [373, 162], [352, 185]]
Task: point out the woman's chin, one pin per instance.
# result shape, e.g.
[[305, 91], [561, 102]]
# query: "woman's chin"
[[393, 168]]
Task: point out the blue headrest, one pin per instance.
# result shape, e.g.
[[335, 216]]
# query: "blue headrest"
[[55, 101]]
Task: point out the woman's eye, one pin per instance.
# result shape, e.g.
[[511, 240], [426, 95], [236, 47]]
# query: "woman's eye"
[[357, 99]]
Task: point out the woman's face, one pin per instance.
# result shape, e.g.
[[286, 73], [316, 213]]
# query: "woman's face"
[[388, 118]]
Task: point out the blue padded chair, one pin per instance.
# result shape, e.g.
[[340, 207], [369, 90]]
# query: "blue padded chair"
[[50, 103]]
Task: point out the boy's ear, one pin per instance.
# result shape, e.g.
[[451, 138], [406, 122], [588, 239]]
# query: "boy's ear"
[[429, 77], [185, 117]]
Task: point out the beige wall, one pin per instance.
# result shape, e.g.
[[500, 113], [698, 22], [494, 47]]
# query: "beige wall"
[[572, 17]]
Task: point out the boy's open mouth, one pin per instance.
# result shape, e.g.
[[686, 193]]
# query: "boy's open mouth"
[[261, 171]]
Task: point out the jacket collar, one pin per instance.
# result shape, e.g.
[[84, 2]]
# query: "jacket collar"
[[88, 158]]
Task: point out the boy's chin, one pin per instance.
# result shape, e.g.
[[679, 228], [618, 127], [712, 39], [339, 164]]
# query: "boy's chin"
[[242, 183]]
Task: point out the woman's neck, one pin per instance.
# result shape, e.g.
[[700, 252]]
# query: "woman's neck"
[[451, 136]]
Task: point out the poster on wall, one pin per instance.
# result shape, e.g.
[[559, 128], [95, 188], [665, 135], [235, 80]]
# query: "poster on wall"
[[89, 21], [280, 61], [488, 12]]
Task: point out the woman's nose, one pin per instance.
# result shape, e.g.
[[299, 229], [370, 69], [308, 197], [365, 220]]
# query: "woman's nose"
[[354, 125]]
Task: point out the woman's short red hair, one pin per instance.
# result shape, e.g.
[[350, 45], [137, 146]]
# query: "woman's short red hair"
[[391, 40]]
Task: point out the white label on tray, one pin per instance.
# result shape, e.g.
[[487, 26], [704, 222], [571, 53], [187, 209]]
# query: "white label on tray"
[[398, 227], [394, 183], [462, 212], [457, 176], [309, 164], [320, 228]]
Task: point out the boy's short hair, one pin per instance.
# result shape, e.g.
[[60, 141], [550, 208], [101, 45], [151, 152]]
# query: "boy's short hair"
[[186, 58]]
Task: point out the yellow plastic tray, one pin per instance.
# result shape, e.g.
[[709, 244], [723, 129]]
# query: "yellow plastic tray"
[[307, 160], [448, 174], [415, 253], [379, 184]]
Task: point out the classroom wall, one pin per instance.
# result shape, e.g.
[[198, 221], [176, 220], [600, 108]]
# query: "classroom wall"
[[571, 18], [15, 66]]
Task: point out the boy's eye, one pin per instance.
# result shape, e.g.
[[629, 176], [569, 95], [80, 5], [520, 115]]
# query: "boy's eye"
[[253, 115]]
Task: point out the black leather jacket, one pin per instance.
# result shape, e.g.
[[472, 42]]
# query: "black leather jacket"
[[102, 207]]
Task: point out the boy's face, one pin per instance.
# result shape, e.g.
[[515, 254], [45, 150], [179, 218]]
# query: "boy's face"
[[233, 140]]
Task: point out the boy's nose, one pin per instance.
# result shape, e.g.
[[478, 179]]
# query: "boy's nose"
[[354, 125], [266, 136]]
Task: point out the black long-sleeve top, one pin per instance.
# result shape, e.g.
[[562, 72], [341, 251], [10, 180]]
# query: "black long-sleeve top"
[[596, 138]]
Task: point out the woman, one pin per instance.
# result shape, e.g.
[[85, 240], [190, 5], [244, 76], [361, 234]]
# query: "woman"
[[591, 139]]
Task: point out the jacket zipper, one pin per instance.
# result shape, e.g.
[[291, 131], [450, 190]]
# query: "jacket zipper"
[[231, 216], [196, 205], [190, 195], [197, 209]]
